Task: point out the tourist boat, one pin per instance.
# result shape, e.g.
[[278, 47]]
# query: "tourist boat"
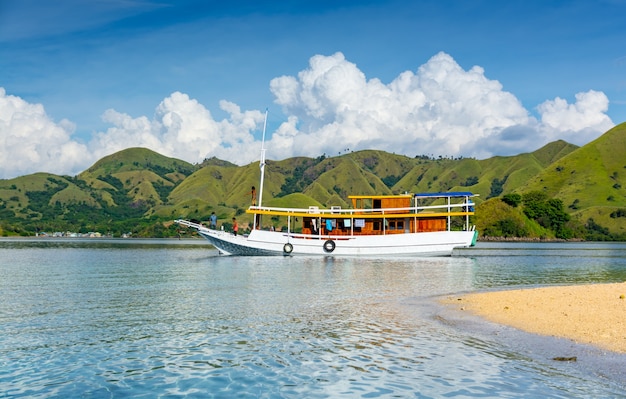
[[427, 224]]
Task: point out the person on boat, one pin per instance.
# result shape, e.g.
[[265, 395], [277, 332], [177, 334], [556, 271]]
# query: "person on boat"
[[213, 221], [253, 195], [235, 226]]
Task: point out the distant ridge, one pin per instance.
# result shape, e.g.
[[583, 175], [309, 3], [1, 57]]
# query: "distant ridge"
[[139, 187]]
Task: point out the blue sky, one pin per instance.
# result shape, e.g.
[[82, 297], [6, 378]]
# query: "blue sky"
[[93, 77]]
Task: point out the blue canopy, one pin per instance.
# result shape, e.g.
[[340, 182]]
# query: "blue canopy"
[[452, 194]]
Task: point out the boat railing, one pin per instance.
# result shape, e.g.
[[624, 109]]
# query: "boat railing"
[[466, 207], [187, 223]]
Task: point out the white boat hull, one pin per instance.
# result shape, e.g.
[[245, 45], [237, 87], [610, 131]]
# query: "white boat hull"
[[272, 243]]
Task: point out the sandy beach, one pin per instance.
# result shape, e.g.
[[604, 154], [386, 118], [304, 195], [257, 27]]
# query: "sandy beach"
[[588, 314]]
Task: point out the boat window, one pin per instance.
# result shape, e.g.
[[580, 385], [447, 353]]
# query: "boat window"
[[396, 225], [363, 203], [377, 204]]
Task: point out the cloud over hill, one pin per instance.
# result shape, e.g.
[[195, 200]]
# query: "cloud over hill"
[[331, 106]]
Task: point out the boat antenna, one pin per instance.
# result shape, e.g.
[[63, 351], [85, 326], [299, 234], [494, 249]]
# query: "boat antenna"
[[262, 162]]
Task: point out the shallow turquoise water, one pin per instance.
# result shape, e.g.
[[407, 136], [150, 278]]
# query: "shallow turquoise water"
[[171, 319]]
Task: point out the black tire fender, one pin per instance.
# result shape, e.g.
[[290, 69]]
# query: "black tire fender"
[[287, 248], [329, 246]]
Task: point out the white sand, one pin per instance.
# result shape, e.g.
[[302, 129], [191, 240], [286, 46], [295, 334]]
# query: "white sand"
[[591, 314]]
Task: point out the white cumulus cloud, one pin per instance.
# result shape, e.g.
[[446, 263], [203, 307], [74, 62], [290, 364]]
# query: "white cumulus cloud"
[[183, 128], [577, 123], [439, 109], [32, 142], [331, 106]]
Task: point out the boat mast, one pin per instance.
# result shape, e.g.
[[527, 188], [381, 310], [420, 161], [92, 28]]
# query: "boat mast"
[[262, 166]]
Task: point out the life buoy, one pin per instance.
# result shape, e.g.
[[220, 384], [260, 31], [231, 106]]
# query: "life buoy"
[[329, 246], [288, 248]]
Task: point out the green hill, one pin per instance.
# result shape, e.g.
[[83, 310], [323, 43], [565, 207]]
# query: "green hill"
[[591, 181], [118, 192]]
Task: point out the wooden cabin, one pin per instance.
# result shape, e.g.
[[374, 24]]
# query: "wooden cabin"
[[374, 215]]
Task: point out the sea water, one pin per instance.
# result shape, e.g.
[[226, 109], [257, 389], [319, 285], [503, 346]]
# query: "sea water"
[[103, 318]]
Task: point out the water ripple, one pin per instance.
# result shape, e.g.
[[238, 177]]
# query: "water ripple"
[[110, 322]]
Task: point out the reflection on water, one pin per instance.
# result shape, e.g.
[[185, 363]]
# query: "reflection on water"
[[119, 319]]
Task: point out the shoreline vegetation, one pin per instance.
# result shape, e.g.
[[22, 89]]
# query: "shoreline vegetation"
[[592, 314]]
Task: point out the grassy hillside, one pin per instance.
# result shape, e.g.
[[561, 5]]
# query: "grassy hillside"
[[591, 181], [118, 192]]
